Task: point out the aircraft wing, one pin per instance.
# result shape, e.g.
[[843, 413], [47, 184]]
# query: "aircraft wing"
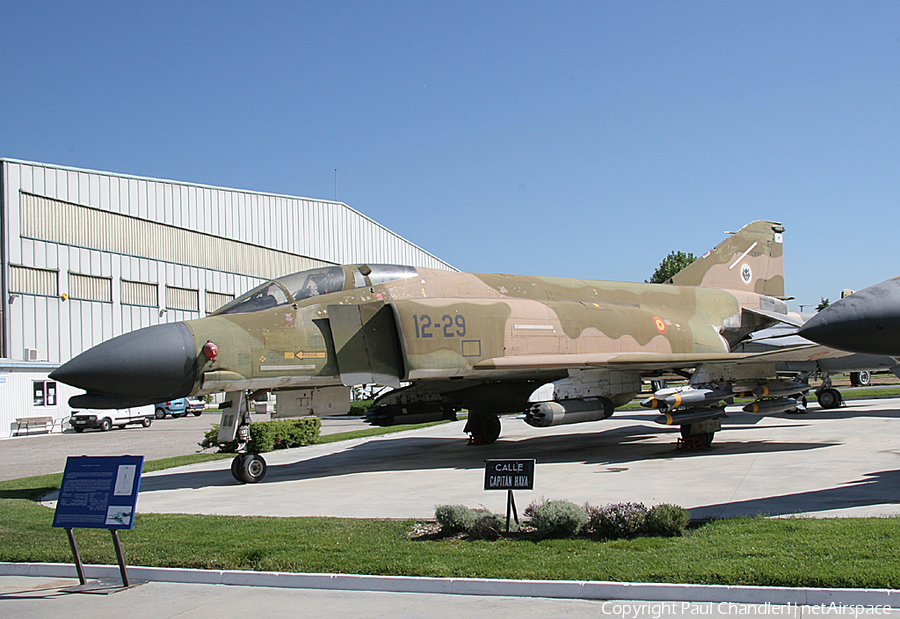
[[774, 317]]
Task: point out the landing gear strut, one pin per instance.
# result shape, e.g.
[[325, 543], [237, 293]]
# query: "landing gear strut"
[[247, 468]]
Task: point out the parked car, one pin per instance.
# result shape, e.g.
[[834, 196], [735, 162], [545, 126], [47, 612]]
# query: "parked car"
[[196, 406], [176, 408], [106, 419]]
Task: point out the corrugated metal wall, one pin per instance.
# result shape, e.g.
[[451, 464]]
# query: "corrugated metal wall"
[[130, 252]]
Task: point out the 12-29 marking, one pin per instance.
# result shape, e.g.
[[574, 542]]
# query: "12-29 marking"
[[447, 326]]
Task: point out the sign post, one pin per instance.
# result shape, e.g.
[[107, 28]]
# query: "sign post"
[[99, 492], [509, 475]]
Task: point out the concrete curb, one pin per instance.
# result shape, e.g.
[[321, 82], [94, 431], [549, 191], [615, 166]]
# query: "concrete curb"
[[560, 589]]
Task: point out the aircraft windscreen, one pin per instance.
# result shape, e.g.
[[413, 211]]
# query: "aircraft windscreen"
[[313, 283], [262, 297], [308, 284], [384, 273]]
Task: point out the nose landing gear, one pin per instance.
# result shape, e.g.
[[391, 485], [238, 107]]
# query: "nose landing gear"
[[248, 468]]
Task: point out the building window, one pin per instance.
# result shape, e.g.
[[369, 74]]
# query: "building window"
[[215, 300], [28, 280], [90, 288], [45, 393], [139, 293], [186, 299]]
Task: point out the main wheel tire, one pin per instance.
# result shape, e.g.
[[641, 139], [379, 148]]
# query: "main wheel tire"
[[253, 468], [860, 379], [491, 428], [146, 422], [160, 413], [79, 430], [197, 413], [829, 398], [105, 425]]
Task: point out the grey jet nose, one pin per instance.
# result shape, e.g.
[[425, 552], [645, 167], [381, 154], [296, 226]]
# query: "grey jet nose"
[[149, 365], [867, 321]]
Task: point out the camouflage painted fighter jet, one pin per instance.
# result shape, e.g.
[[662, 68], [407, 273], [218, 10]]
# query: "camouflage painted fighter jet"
[[558, 350], [867, 321]]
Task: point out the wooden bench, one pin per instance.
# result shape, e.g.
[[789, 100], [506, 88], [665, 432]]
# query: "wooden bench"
[[46, 423]]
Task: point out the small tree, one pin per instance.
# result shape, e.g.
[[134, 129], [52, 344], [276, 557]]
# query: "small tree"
[[823, 303], [671, 265]]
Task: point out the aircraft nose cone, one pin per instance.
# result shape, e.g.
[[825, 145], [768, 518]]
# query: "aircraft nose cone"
[[150, 365], [867, 321]]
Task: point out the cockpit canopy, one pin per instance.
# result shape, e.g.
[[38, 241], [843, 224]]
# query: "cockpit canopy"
[[315, 282]]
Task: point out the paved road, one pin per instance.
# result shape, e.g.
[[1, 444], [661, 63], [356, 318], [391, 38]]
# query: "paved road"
[[38, 598], [39, 454]]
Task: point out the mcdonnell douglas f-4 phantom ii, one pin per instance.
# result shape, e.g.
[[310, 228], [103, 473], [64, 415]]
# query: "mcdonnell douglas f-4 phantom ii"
[[558, 350]]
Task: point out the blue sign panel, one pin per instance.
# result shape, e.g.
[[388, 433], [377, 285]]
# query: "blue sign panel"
[[99, 492]]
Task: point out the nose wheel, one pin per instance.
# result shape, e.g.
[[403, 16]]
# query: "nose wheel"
[[248, 468]]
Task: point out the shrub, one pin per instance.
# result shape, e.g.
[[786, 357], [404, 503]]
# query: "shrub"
[[455, 518], [618, 520], [210, 440], [559, 519], [534, 507], [283, 434], [667, 520], [358, 408], [487, 526], [266, 436]]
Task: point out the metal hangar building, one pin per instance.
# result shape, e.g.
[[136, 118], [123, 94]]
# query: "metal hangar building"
[[88, 255]]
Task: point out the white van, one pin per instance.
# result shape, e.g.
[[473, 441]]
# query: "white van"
[[106, 419]]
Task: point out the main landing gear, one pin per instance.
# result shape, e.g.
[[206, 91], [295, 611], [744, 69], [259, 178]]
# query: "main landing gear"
[[828, 396], [483, 429], [700, 440], [700, 434]]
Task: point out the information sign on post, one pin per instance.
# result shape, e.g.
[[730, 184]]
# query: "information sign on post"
[[99, 492], [509, 475]]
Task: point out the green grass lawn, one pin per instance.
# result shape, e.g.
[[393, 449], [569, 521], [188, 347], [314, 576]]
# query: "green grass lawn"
[[859, 552]]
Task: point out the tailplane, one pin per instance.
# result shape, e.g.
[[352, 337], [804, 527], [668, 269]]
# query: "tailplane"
[[750, 259]]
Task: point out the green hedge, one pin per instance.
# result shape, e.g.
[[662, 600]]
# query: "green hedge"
[[268, 436]]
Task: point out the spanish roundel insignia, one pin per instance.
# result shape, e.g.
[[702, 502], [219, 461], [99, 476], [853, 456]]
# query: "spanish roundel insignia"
[[660, 325]]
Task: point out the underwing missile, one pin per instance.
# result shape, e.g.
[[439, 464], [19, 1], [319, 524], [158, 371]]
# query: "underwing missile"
[[777, 388], [770, 407], [686, 398]]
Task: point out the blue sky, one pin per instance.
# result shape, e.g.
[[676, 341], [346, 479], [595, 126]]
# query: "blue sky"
[[581, 139]]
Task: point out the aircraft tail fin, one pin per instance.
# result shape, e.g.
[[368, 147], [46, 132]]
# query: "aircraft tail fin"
[[750, 259]]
